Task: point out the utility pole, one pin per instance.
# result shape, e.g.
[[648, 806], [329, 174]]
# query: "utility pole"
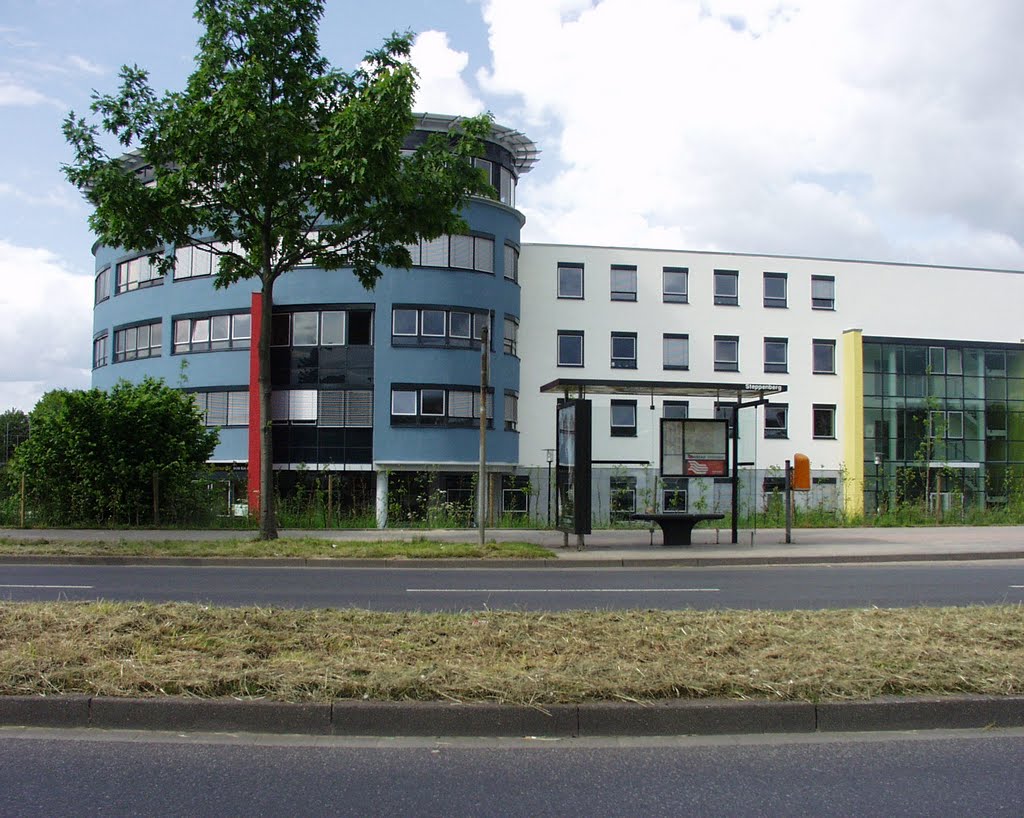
[[481, 482]]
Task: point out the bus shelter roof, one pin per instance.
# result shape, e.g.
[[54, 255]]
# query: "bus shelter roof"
[[737, 392]]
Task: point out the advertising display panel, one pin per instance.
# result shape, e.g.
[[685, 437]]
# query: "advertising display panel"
[[692, 447], [573, 466]]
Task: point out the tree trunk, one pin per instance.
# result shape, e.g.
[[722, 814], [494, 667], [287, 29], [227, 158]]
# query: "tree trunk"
[[268, 523]]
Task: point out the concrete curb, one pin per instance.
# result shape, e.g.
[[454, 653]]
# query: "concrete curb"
[[475, 563], [367, 718]]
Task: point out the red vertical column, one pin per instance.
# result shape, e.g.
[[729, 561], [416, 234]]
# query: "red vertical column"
[[255, 424]]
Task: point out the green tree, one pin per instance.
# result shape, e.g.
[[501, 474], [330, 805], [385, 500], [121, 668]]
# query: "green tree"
[[92, 455], [272, 148], [14, 428]]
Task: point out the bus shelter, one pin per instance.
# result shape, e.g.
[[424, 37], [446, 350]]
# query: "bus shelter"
[[574, 444]]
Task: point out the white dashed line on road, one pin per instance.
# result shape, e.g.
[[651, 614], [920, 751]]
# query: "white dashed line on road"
[[560, 590], [55, 587]]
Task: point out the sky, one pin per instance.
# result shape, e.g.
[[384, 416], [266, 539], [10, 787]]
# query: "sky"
[[863, 129]]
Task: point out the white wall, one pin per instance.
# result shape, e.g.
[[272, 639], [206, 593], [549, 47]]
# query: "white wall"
[[881, 299]]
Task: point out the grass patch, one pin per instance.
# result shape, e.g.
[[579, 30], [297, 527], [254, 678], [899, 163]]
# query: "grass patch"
[[136, 649], [300, 547]]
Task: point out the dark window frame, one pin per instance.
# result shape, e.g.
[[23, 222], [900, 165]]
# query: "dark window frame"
[[723, 299], [623, 362], [622, 430], [675, 297], [570, 333], [823, 303], [567, 266], [817, 343], [773, 432], [675, 336], [775, 301], [723, 365], [620, 294], [830, 408], [775, 366]]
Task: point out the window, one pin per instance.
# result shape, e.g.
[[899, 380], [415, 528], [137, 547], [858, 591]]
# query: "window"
[[775, 289], [824, 421], [937, 360], [294, 406], [506, 187], [350, 408], [727, 287], [434, 323], [99, 351], [404, 401], [139, 341], [332, 328], [192, 261], [417, 405], [623, 415], [223, 408], [727, 353], [675, 284], [622, 493], [776, 355], [823, 292], [436, 326], [673, 494], [570, 280], [623, 350], [458, 252], [137, 273], [726, 411], [511, 411], [511, 263], [102, 285], [623, 282], [776, 420], [432, 402], [511, 340], [676, 409], [404, 322], [212, 332], [570, 348], [824, 357], [305, 329], [675, 351]]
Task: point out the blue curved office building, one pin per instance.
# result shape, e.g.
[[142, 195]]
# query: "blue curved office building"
[[365, 382]]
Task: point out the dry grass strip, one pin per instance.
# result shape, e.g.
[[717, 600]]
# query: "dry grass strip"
[[296, 547], [118, 649]]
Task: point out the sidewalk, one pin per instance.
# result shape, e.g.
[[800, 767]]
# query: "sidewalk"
[[640, 547]]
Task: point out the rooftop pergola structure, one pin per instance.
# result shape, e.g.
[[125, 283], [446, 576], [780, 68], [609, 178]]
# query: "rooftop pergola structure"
[[738, 395]]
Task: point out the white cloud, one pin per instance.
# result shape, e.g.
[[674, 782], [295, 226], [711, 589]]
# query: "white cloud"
[[442, 88], [13, 92], [46, 334], [59, 197], [82, 64], [805, 127]]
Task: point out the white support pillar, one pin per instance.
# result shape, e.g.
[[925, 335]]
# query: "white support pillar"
[[382, 499]]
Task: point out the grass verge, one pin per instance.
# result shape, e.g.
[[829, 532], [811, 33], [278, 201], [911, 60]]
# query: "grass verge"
[[136, 649], [249, 548]]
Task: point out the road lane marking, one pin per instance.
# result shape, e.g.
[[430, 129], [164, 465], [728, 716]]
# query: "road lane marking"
[[560, 590], [1017, 586], [57, 587]]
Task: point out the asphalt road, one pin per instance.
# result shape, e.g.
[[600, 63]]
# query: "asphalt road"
[[95, 773], [400, 589]]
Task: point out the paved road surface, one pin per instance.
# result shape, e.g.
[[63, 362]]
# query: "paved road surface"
[[88, 773], [778, 587]]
